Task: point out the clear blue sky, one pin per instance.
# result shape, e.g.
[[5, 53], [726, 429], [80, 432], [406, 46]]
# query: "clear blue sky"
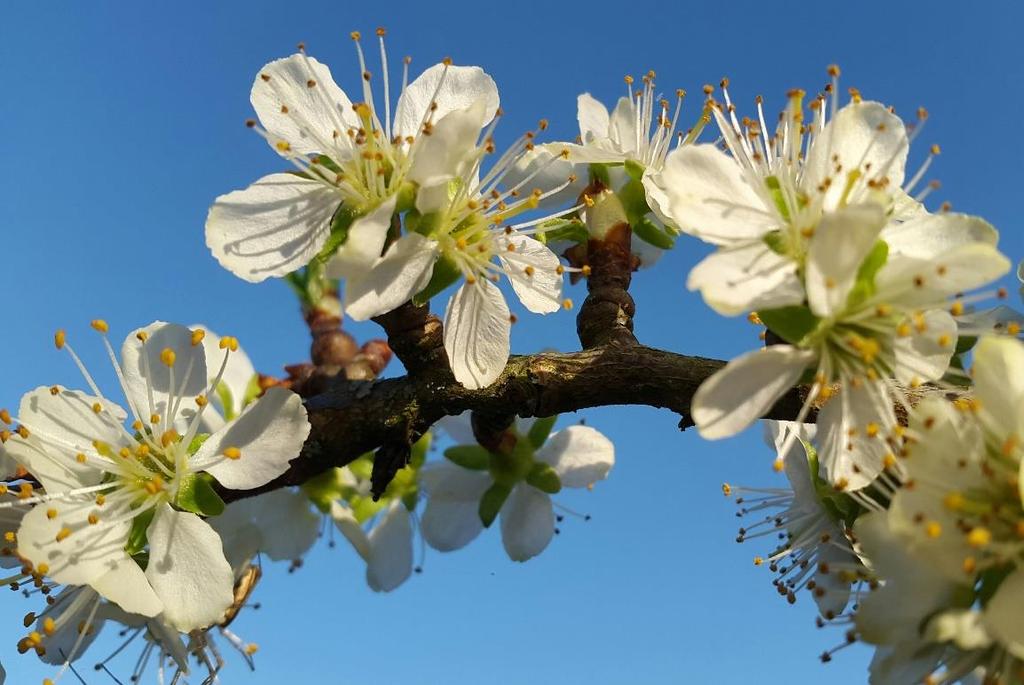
[[122, 121]]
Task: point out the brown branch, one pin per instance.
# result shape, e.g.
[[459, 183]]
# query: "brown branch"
[[606, 316], [353, 418]]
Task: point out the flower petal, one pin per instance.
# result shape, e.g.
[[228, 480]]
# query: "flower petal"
[[476, 333], [924, 355], [927, 236], [703, 192], [311, 114], [153, 386], [862, 137], [914, 281], [450, 88], [82, 556], [851, 453], [532, 268], [746, 388], [269, 434], [579, 454], [286, 523], [593, 118], [1002, 614], [746, 277], [451, 519], [348, 526], [273, 227], [364, 244], [238, 374], [998, 373], [126, 585], [622, 126], [187, 569], [389, 563], [527, 523], [448, 149], [840, 243], [404, 270], [72, 635]]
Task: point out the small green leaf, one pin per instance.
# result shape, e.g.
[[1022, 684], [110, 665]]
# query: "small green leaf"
[[491, 503], [340, 223], [991, 579], [197, 442], [137, 539], [634, 200], [599, 174], [227, 400], [446, 272], [634, 169], [792, 324], [196, 494], [471, 457], [544, 478], [418, 454], [864, 287], [570, 230], [324, 488], [775, 189], [252, 391], [965, 343], [776, 242], [540, 430], [649, 232]]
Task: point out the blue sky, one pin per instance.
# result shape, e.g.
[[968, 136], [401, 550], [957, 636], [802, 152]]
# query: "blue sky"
[[122, 121]]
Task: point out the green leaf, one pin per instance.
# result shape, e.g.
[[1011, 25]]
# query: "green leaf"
[[252, 391], [491, 503], [324, 488], [776, 242], [792, 324], [570, 230], [197, 442], [137, 539], [634, 169], [599, 174], [634, 200], [227, 400], [991, 579], [540, 430], [446, 272], [775, 189], [649, 232], [864, 286], [471, 457], [340, 223], [964, 344], [196, 494], [418, 453], [544, 478]]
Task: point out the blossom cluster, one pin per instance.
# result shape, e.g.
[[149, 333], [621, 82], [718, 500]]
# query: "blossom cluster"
[[904, 517]]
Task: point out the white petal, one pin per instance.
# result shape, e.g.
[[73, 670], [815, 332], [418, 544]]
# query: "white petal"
[[476, 333], [449, 148], [849, 455], [153, 387], [60, 427], [237, 376], [87, 553], [929, 235], [459, 428], [541, 291], [126, 585], [544, 167], [390, 560], [1003, 613], [999, 382], [451, 519], [314, 114], [404, 270], [348, 526], [273, 227], [622, 125], [579, 454], [187, 569], [238, 532], [703, 192], [913, 281], [598, 152], [924, 355], [864, 137], [746, 277], [839, 245], [832, 591], [67, 642], [527, 523], [746, 388], [287, 524], [459, 88], [269, 434], [364, 245], [593, 118]]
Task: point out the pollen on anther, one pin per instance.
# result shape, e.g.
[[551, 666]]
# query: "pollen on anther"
[[232, 453], [99, 325], [197, 336], [59, 339], [167, 356]]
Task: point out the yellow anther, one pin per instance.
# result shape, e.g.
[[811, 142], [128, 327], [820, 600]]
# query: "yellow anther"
[[778, 464], [1010, 445], [154, 485], [5, 416], [758, 561], [25, 491], [54, 390], [944, 340], [726, 489], [228, 343], [154, 418], [935, 150], [355, 35], [99, 325], [142, 336], [903, 330], [43, 569], [888, 461], [957, 308], [63, 534], [529, 270], [97, 407], [283, 146], [201, 400], [883, 310], [59, 338], [833, 70], [167, 356], [125, 452], [251, 648], [979, 537], [34, 638], [197, 336], [970, 565], [169, 437], [81, 458], [9, 536], [100, 500], [232, 453], [871, 429], [49, 626], [142, 451], [51, 514], [954, 501], [1013, 328], [567, 304], [136, 425], [93, 519], [933, 529]]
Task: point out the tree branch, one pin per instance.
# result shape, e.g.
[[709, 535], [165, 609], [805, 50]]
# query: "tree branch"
[[355, 417]]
